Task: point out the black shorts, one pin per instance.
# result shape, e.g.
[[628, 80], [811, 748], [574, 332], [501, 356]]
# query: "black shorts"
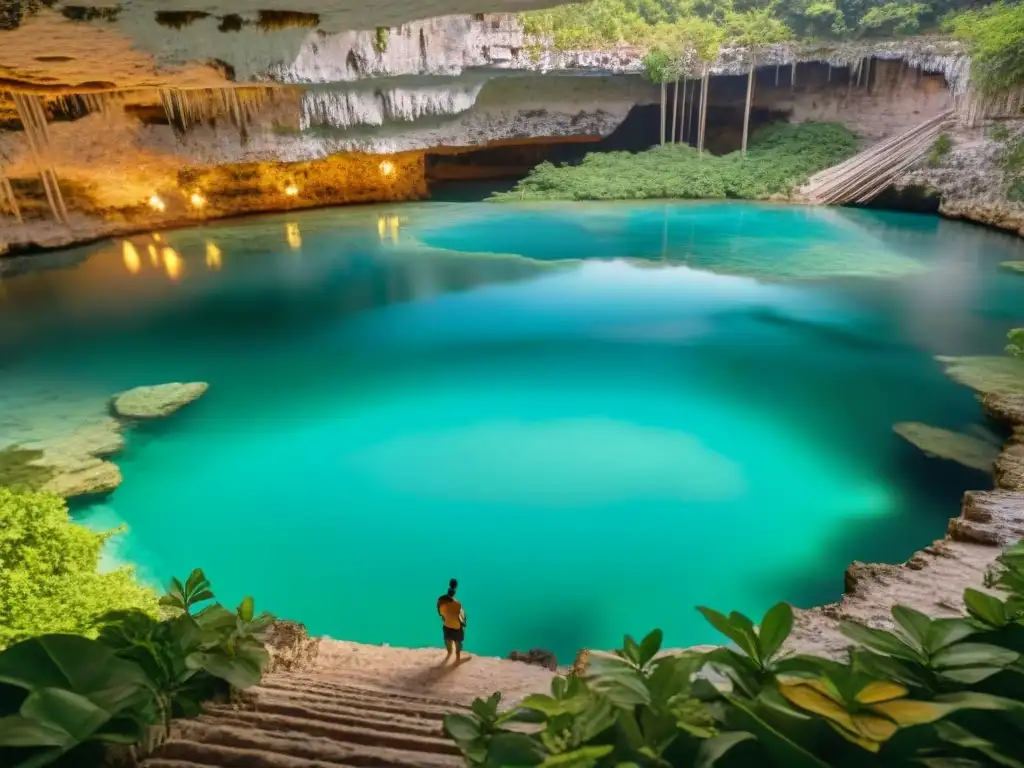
[[454, 635]]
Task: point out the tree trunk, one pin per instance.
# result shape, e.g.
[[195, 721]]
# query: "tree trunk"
[[792, 77], [675, 112], [750, 97], [682, 115], [689, 115], [703, 110], [664, 93]]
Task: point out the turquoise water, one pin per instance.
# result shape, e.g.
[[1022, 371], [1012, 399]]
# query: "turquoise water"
[[595, 416]]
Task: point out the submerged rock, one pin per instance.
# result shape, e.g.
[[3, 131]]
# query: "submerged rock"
[[18, 469], [1013, 266], [82, 476], [987, 375], [943, 444], [156, 401]]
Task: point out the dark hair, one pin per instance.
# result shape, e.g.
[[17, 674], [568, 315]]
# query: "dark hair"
[[453, 584]]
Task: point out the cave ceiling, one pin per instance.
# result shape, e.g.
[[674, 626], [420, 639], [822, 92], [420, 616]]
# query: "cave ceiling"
[[59, 47]]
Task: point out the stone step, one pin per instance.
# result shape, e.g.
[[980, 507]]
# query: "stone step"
[[328, 714], [340, 685], [398, 717]]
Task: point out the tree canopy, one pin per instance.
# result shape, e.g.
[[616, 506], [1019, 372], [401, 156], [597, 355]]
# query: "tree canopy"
[[650, 22], [49, 580]]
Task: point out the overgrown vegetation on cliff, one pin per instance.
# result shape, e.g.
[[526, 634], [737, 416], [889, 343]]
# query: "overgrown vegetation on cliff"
[[936, 692], [640, 22], [781, 156], [995, 37], [48, 571]]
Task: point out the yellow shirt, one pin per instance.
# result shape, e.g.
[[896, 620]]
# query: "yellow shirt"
[[451, 614]]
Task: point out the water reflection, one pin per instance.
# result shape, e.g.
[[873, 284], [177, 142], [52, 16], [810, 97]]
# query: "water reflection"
[[214, 259], [132, 262], [154, 257], [387, 228], [172, 263], [292, 235]]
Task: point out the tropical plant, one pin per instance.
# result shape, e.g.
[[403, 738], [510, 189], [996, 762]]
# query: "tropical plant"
[[933, 692], [1016, 345], [62, 692], [781, 156], [995, 38], [939, 149], [49, 579]]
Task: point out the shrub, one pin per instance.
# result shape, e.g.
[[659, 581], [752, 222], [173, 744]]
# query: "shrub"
[[937, 692], [942, 146], [995, 38], [1016, 345], [48, 571], [62, 693], [999, 132], [781, 156]]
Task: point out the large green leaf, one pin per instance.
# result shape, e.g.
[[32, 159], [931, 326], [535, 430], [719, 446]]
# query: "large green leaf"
[[20, 731], [745, 627], [70, 712], [724, 625], [617, 680], [246, 608], [775, 628], [461, 727], [240, 671], [76, 664], [783, 750], [914, 624], [974, 655], [879, 640], [989, 610], [649, 647], [584, 757], [945, 632], [512, 750], [961, 737], [716, 747]]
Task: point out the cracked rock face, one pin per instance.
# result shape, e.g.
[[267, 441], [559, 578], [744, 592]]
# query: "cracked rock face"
[[157, 401]]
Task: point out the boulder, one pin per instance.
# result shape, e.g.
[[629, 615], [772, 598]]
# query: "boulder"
[[82, 476], [968, 450], [537, 656], [290, 647], [156, 401]]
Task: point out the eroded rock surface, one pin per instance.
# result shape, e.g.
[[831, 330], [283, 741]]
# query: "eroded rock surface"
[[987, 375], [157, 401], [290, 646], [537, 656]]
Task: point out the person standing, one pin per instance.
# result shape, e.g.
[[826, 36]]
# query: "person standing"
[[453, 621]]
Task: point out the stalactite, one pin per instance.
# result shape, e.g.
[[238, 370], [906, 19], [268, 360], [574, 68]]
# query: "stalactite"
[[187, 107], [776, 75], [11, 200], [33, 120], [792, 78], [830, 72], [867, 74]]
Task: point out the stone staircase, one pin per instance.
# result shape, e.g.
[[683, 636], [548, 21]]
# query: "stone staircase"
[[350, 706]]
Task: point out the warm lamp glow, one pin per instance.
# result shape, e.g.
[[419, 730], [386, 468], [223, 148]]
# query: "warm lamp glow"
[[197, 200], [172, 263], [132, 262], [291, 190], [213, 256], [291, 233], [157, 237], [387, 167], [157, 204]]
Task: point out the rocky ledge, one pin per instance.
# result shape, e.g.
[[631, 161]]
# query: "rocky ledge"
[[78, 463]]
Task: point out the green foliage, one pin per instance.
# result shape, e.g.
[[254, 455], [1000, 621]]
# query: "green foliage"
[[605, 23], [999, 132], [995, 38], [781, 156], [48, 571], [940, 148], [60, 693], [933, 692], [1016, 345], [380, 39]]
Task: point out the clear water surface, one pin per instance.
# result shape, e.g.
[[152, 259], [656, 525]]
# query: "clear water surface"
[[596, 416]]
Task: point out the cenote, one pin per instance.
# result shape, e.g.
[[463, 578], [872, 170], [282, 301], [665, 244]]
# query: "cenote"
[[596, 416]]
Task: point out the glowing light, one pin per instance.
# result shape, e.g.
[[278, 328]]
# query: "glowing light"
[[154, 257], [291, 233], [197, 200], [291, 190], [387, 167], [381, 226], [387, 228], [157, 204], [132, 262], [157, 237], [393, 228], [172, 263], [213, 256]]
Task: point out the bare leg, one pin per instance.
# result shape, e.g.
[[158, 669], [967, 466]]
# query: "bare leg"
[[450, 645], [458, 652]]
